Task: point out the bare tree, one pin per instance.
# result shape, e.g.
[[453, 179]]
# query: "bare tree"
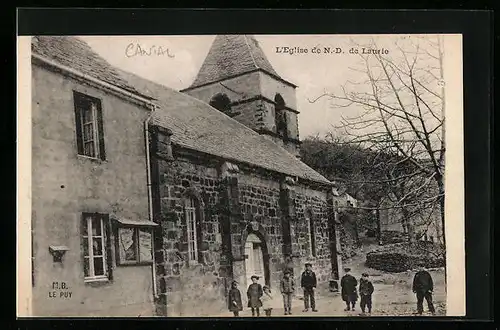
[[399, 116]]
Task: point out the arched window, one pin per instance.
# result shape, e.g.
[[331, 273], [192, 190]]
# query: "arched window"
[[311, 232], [280, 115], [192, 229], [221, 102]]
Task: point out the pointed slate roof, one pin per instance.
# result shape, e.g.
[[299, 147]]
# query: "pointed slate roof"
[[231, 55]]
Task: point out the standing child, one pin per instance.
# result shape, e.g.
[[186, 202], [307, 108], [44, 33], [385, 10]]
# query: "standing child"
[[365, 291], [308, 283], [287, 287], [234, 299], [267, 299], [254, 293]]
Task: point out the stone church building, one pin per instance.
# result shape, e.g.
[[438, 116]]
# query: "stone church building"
[[148, 200]]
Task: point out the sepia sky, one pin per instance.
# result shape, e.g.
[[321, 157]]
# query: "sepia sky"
[[313, 73]]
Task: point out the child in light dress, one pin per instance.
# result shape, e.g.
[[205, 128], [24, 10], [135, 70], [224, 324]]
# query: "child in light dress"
[[267, 300]]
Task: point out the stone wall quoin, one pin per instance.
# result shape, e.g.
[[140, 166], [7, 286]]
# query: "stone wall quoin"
[[334, 234], [230, 215], [288, 211]]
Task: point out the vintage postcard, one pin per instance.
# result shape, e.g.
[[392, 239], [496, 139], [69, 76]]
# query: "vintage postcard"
[[240, 176]]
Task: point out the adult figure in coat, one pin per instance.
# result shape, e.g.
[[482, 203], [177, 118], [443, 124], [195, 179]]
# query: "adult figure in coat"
[[349, 292], [423, 287]]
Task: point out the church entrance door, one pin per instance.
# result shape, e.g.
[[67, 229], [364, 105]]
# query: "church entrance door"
[[254, 263]]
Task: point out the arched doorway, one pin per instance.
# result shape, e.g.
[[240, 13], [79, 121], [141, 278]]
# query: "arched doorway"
[[255, 263]]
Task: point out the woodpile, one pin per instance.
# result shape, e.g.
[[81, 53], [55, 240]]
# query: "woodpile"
[[398, 258], [392, 237]]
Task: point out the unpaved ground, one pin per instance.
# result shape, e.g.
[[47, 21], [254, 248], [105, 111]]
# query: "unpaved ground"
[[392, 296]]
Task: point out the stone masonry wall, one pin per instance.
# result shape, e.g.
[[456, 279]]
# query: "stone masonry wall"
[[318, 210], [259, 198], [229, 210], [182, 284]]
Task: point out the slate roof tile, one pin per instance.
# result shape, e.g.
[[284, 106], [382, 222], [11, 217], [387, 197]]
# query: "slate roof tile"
[[78, 55], [198, 126]]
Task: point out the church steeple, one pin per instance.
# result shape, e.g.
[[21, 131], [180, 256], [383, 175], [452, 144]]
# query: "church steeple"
[[232, 55], [237, 78]]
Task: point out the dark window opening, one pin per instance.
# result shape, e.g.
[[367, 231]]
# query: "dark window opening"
[[280, 116], [221, 102]]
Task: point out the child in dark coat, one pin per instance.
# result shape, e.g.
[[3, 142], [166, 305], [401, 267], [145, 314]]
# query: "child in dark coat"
[[308, 283], [234, 299], [254, 293], [349, 292], [365, 291]]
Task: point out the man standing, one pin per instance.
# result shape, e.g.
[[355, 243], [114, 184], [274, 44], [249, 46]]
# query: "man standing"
[[423, 287], [349, 292], [287, 286], [308, 284]]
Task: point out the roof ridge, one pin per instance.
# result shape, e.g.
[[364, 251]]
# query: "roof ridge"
[[202, 102], [250, 51], [58, 49], [241, 126]]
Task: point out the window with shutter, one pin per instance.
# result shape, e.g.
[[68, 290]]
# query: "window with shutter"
[[89, 126]]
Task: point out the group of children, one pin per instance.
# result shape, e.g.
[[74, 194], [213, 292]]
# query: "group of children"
[[258, 297], [261, 296], [350, 294]]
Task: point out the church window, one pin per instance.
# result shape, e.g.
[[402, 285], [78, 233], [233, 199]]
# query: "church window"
[[280, 116], [312, 234], [221, 102], [191, 227]]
